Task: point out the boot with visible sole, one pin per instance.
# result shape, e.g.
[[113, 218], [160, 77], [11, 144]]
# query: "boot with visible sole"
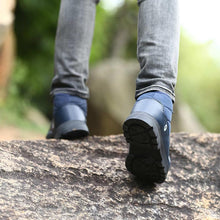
[[69, 122], [147, 130]]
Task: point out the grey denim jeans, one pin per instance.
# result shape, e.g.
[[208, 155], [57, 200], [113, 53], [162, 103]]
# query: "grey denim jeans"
[[157, 46]]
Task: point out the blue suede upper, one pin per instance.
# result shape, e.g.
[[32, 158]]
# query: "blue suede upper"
[[162, 98], [63, 99]]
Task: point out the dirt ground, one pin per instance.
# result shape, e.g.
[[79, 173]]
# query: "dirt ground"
[[8, 133]]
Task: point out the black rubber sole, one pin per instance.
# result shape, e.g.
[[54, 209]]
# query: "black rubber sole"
[[72, 135], [70, 130], [144, 159]]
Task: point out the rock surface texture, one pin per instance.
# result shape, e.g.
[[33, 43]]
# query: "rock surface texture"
[[87, 179]]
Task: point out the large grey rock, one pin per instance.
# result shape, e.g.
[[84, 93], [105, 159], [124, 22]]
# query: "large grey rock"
[[87, 179], [112, 87]]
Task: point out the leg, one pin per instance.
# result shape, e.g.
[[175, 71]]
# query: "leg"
[[72, 48], [158, 46], [147, 129], [72, 51]]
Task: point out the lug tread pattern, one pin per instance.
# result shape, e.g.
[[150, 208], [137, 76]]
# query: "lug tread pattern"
[[144, 158]]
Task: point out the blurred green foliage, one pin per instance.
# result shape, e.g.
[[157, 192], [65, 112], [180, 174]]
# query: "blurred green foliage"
[[35, 27], [199, 80]]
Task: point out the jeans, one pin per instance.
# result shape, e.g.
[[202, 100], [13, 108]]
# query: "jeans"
[[157, 46]]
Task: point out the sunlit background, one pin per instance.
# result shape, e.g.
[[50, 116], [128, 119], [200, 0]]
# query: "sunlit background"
[[25, 102], [199, 18]]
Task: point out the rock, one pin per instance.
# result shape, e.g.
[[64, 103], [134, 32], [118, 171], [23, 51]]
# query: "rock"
[[112, 88], [87, 179]]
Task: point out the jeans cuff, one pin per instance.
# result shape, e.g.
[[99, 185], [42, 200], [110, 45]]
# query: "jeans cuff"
[[156, 88], [70, 92]]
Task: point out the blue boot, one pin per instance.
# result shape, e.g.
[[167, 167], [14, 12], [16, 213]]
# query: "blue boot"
[[147, 130], [69, 118]]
